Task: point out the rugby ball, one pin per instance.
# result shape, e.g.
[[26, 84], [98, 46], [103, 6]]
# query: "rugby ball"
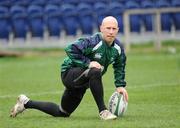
[[117, 104]]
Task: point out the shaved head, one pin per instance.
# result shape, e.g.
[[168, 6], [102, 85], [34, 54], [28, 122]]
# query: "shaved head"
[[110, 19], [109, 29]]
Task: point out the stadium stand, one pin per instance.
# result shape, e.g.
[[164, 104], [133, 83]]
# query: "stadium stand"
[[19, 21], [5, 27], [38, 2], [176, 16], [55, 2], [147, 18], [24, 3], [101, 11], [166, 18], [41, 17], [5, 3], [116, 9], [135, 20], [53, 20], [36, 20], [86, 19], [90, 2], [72, 2], [70, 19]]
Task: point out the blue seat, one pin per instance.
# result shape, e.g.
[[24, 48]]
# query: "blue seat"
[[176, 16], [5, 27], [166, 18], [70, 20], [86, 18], [55, 2], [36, 21], [38, 2], [53, 20], [116, 9], [147, 18], [119, 1], [21, 2], [135, 20], [6, 3], [104, 1], [89, 2], [72, 2], [101, 11], [19, 21]]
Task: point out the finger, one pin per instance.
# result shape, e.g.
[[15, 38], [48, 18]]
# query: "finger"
[[126, 96]]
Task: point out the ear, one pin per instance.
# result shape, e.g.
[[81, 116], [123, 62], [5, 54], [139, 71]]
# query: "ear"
[[101, 28]]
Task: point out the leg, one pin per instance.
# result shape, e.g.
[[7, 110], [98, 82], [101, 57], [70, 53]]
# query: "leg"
[[46, 107], [92, 78], [23, 102], [96, 86], [71, 99]]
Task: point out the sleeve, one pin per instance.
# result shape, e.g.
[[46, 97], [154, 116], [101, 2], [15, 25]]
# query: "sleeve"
[[78, 52], [119, 70]]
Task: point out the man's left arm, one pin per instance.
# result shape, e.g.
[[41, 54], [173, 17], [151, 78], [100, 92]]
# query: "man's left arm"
[[119, 74]]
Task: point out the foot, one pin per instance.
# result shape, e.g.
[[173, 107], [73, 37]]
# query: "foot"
[[107, 115], [19, 106]]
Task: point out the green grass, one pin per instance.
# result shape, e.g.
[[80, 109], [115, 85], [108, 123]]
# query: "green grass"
[[153, 84]]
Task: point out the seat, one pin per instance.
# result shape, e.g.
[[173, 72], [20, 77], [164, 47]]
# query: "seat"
[[36, 21], [53, 20], [147, 18], [119, 1], [116, 9], [38, 2], [89, 2], [54, 2], [70, 21], [5, 3], [101, 11], [166, 18], [24, 3], [19, 21], [72, 2], [5, 27], [86, 19], [176, 16], [135, 20]]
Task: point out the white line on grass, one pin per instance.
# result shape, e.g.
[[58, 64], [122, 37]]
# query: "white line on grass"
[[60, 92]]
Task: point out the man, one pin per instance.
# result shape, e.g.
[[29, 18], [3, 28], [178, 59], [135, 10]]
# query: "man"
[[87, 60]]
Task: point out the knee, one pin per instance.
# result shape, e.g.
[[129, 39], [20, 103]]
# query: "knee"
[[95, 72]]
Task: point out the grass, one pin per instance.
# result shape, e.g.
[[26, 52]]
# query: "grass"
[[153, 85]]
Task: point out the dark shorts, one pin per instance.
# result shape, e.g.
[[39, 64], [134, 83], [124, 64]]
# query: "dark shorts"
[[73, 78]]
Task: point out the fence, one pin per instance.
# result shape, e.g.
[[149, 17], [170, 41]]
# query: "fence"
[[157, 23]]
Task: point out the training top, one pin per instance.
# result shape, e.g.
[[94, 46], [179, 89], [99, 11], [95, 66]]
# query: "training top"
[[84, 50]]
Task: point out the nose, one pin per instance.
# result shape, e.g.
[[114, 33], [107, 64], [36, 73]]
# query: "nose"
[[111, 31]]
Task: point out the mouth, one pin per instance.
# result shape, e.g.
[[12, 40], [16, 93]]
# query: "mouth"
[[110, 36]]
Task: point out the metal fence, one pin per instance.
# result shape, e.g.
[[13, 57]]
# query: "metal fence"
[[157, 24]]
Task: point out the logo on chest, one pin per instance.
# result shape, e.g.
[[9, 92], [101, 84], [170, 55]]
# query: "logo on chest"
[[98, 55]]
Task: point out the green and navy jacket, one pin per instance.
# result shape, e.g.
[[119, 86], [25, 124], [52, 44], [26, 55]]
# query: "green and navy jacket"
[[94, 48]]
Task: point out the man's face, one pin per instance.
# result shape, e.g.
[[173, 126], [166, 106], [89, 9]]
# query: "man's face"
[[109, 30]]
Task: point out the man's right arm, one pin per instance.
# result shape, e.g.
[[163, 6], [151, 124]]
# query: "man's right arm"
[[77, 52]]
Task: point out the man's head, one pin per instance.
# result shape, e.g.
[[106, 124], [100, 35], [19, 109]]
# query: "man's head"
[[109, 29]]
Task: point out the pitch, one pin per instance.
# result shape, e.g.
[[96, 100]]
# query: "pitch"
[[153, 86]]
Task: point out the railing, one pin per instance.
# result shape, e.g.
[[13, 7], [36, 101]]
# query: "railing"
[[157, 13]]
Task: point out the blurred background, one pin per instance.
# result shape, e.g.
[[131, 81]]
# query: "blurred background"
[[54, 23], [33, 34]]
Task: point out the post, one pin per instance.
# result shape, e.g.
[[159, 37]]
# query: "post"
[[157, 42], [126, 30]]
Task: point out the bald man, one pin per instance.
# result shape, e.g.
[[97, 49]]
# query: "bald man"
[[86, 62]]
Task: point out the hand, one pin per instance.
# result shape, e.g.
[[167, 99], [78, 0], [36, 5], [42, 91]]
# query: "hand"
[[94, 64], [123, 91]]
